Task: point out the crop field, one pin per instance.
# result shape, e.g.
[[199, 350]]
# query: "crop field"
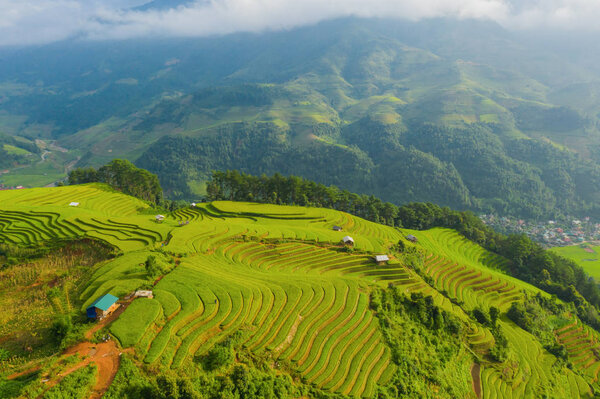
[[280, 275], [585, 255]]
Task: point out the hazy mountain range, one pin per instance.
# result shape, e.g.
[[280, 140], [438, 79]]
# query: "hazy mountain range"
[[461, 113]]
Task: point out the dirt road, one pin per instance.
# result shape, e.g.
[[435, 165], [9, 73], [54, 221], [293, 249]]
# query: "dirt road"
[[105, 355]]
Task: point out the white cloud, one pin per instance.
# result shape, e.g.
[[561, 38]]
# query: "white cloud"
[[41, 21]]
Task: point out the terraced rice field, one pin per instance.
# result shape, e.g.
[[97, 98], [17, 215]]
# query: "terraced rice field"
[[278, 274]]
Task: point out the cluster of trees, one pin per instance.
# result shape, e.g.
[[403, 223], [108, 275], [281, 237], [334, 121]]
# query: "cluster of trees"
[[534, 315], [244, 379], [425, 342], [124, 176], [293, 190], [77, 384], [529, 261], [419, 307], [466, 168], [156, 266], [9, 158]]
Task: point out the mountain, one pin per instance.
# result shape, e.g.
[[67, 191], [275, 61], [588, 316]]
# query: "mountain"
[[461, 113]]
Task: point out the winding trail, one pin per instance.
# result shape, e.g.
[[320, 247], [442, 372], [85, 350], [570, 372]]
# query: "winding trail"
[[105, 355], [476, 375]]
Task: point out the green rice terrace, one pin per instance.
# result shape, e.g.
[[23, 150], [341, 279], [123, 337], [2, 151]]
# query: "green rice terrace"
[[276, 285], [586, 255]]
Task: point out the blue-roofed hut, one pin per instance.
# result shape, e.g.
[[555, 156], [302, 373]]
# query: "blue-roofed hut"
[[102, 306]]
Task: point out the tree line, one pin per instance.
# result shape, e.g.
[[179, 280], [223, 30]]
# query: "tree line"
[[124, 176], [528, 260]]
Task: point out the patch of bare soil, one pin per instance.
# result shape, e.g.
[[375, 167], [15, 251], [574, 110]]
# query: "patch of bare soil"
[[105, 355], [475, 374]]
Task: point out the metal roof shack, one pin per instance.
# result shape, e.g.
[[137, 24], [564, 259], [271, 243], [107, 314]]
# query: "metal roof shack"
[[143, 294], [411, 238], [337, 228], [348, 240], [381, 259], [102, 306]]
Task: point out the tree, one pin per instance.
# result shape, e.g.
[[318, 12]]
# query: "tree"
[[124, 176], [494, 314]]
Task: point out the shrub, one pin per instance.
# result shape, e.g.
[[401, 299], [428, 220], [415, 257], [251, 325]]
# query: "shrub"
[[76, 385], [61, 327], [481, 316], [218, 356]]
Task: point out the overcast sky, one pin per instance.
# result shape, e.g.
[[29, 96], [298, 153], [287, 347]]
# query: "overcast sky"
[[43, 21]]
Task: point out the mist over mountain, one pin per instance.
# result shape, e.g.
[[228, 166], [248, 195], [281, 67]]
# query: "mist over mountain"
[[459, 112]]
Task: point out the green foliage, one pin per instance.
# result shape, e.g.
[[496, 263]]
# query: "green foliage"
[[535, 315], [76, 385], [61, 328], [15, 152], [218, 356], [130, 382], [482, 316], [426, 343], [13, 388], [500, 351], [122, 175], [153, 267]]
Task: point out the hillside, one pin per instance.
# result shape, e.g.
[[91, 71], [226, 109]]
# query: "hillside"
[[251, 297], [586, 256], [457, 113]]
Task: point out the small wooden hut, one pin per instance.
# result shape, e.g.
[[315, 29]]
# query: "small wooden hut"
[[381, 259]]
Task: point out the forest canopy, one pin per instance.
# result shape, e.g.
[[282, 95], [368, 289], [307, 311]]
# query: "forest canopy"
[[121, 175]]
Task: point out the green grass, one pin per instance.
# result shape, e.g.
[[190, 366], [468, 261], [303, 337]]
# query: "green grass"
[[141, 314], [589, 261], [11, 149]]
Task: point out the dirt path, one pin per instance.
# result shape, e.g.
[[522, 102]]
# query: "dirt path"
[[475, 375], [105, 355]]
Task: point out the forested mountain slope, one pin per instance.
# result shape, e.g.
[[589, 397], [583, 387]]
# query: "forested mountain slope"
[[456, 112]]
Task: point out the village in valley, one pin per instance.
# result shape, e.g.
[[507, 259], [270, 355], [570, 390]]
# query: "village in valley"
[[550, 233]]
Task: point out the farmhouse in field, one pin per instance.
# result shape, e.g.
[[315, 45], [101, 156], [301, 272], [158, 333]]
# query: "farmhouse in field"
[[193, 205], [143, 294], [337, 228], [381, 259], [411, 238], [74, 204], [159, 218], [102, 307], [348, 240]]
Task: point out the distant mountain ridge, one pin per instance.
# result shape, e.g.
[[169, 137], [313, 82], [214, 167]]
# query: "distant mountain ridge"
[[463, 113]]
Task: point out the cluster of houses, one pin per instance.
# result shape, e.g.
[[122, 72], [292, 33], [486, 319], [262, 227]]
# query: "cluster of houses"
[[551, 233], [3, 187]]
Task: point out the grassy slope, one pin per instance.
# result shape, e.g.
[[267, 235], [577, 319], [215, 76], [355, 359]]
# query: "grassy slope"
[[590, 261], [274, 273]]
